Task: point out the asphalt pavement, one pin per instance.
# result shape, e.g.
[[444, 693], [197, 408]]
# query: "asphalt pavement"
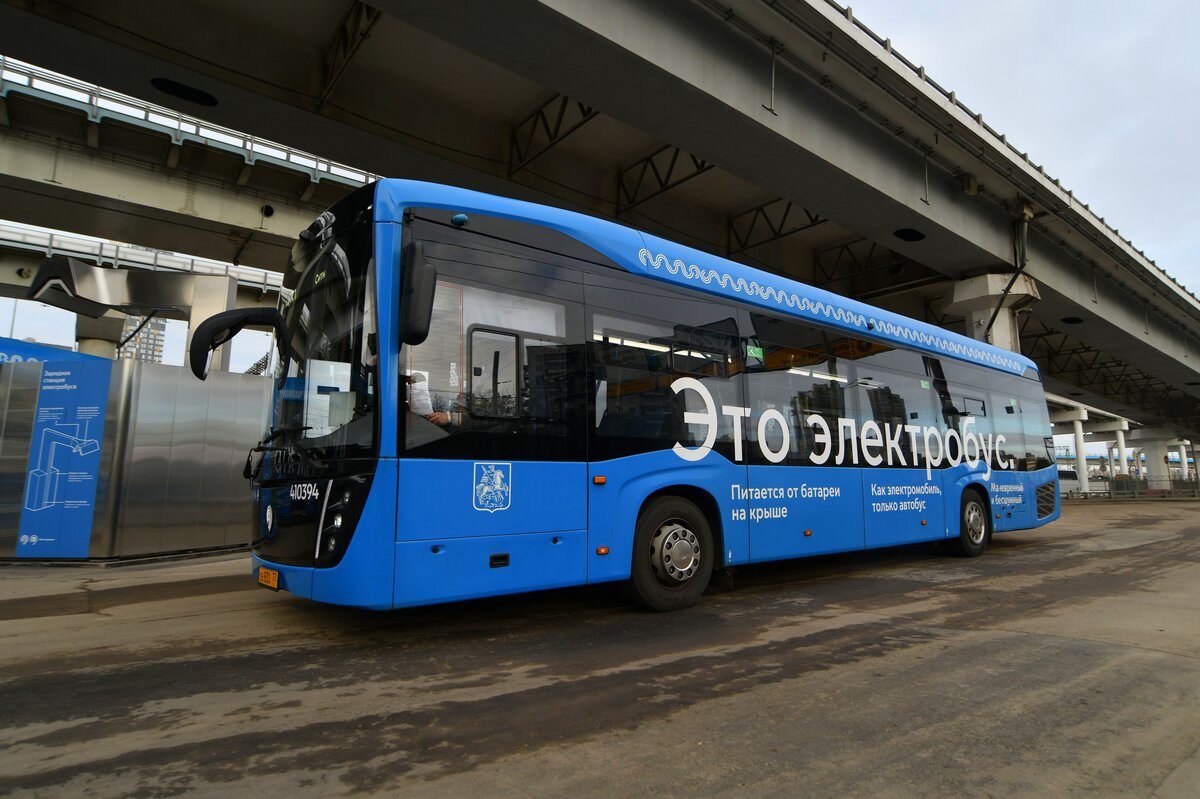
[[1064, 662]]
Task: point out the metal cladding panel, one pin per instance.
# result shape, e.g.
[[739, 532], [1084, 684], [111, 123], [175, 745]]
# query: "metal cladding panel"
[[182, 519], [113, 457], [146, 480], [18, 406], [254, 396], [180, 477], [218, 482]]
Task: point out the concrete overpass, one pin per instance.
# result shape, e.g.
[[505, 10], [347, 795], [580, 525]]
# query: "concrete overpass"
[[784, 133]]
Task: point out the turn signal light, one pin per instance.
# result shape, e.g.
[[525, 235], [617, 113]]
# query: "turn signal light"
[[601, 550], [807, 533], [599, 479], [923, 522]]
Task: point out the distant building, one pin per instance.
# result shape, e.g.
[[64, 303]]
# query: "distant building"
[[147, 345]]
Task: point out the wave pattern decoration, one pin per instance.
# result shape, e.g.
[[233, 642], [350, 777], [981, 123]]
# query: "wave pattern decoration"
[[820, 309]]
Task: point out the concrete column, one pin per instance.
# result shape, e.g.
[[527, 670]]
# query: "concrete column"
[[1112, 469], [1183, 464], [1156, 466], [1123, 452], [101, 348], [976, 299], [1080, 456], [100, 336]]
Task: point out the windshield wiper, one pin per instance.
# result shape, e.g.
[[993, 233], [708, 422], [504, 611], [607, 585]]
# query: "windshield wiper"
[[250, 470], [281, 431]]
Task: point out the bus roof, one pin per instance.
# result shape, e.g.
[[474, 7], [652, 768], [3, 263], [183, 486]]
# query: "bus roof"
[[664, 260]]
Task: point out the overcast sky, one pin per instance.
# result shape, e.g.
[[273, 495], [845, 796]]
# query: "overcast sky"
[[1104, 94]]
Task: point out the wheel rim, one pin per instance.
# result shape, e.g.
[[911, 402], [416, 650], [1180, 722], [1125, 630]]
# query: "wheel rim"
[[973, 521], [674, 553]]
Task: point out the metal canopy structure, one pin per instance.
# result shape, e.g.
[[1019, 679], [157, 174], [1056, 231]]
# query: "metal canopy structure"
[[781, 132]]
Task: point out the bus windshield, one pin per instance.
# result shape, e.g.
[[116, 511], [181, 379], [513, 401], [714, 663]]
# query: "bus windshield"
[[325, 397]]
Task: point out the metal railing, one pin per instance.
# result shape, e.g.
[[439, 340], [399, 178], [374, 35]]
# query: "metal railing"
[[56, 242], [1136, 488], [98, 103]]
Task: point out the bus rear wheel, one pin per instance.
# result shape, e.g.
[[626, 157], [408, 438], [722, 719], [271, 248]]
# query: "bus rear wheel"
[[973, 524], [672, 554]]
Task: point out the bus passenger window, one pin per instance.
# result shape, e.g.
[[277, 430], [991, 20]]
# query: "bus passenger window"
[[637, 361]]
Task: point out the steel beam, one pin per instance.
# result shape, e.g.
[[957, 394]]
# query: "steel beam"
[[353, 30], [769, 222], [659, 172], [550, 123], [852, 259]]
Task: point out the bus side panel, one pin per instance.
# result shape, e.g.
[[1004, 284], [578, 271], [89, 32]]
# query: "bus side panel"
[[364, 576], [1010, 495], [804, 510], [902, 506], [449, 569], [1025, 515], [469, 529], [614, 505], [465, 499]]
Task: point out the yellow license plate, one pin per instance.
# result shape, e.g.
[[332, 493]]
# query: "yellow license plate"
[[268, 577]]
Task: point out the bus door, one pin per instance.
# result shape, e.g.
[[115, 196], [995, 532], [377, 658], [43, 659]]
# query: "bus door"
[[492, 495], [804, 490]]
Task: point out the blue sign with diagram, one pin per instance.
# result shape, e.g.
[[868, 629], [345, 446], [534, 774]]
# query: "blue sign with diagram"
[[64, 459]]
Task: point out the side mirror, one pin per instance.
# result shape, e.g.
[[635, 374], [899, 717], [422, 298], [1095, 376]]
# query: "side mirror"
[[220, 328], [418, 279]]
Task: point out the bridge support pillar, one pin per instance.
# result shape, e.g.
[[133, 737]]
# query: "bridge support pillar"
[[1183, 461], [1123, 453], [976, 299], [99, 337], [1080, 456], [1156, 460], [1158, 444]]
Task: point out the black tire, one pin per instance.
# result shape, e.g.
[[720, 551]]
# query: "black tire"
[[974, 524], [673, 555]]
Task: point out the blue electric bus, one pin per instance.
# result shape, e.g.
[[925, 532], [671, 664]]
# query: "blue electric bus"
[[478, 396]]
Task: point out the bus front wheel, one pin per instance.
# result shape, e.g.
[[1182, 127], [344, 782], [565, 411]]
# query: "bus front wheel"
[[672, 554], [973, 524]]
